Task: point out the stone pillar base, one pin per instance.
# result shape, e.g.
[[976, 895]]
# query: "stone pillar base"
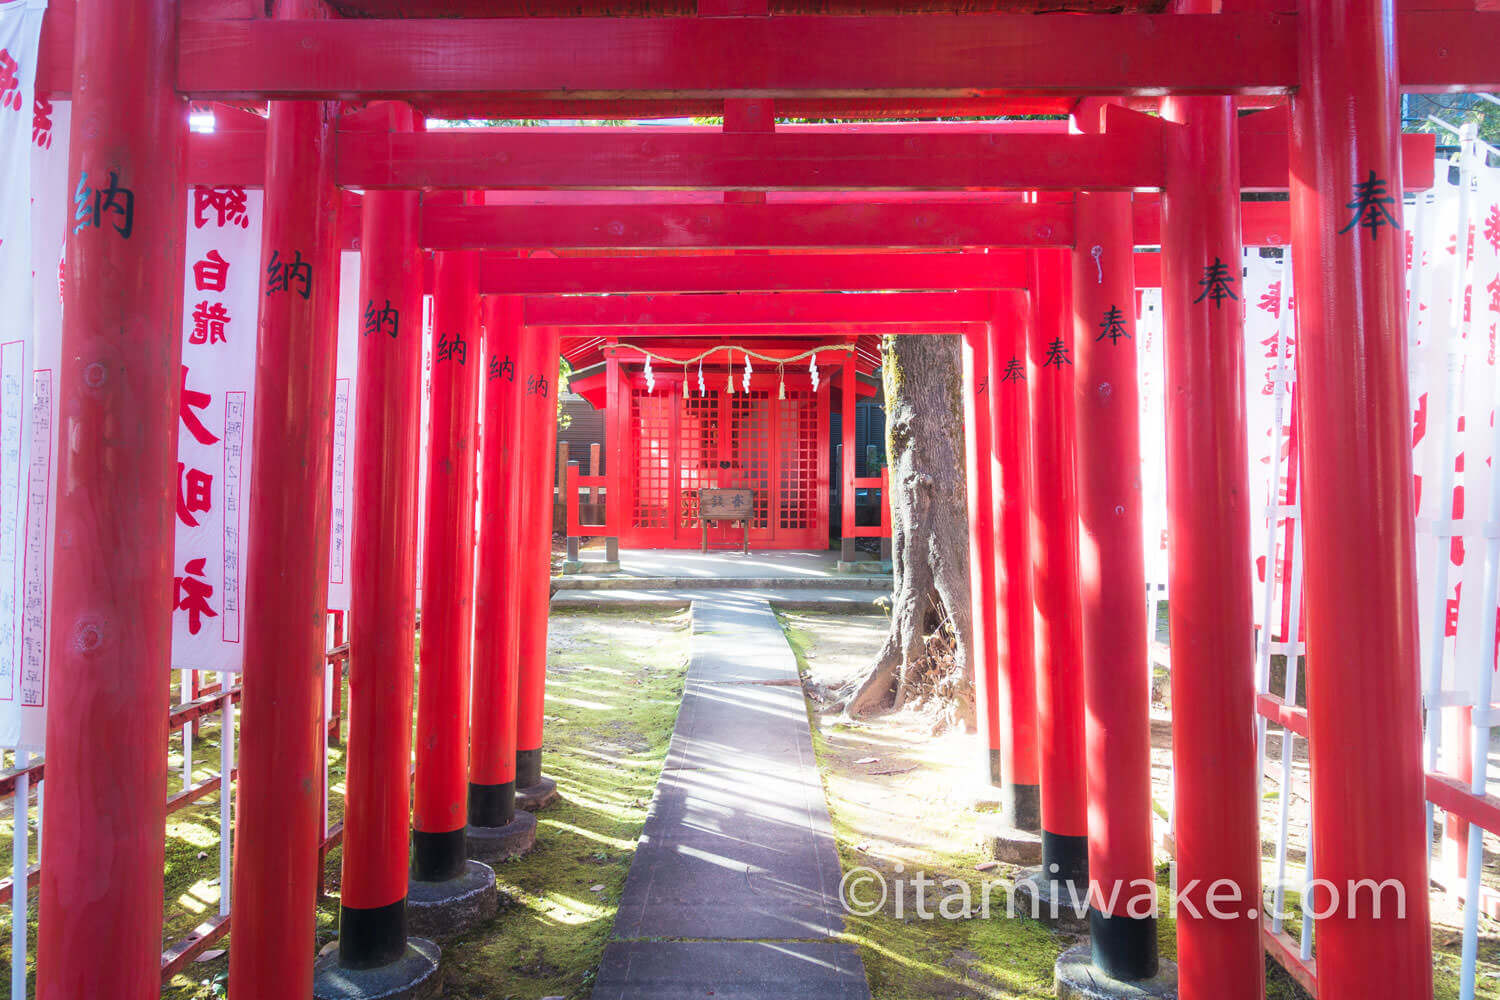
[[572, 567], [413, 976], [537, 796], [502, 843], [441, 910], [1006, 843], [871, 567], [1049, 902], [1076, 978]]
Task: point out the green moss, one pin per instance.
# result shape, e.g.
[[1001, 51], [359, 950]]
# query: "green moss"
[[611, 707], [613, 687], [907, 957]]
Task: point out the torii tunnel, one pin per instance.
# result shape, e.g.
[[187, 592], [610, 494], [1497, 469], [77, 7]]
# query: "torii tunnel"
[[1082, 137]]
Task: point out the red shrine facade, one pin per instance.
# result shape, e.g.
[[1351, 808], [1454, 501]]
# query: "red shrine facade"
[[679, 427]]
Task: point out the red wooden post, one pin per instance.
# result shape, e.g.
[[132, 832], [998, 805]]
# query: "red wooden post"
[[372, 918], [279, 802], [1217, 816], [885, 512], [1111, 577], [616, 402], [1364, 700], [497, 623], [847, 399], [1054, 569], [979, 457], [111, 636], [539, 444], [1020, 793], [441, 813]]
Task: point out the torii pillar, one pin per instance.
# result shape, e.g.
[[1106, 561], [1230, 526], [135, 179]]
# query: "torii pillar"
[[118, 393], [1117, 733], [497, 831], [1364, 700], [448, 893], [1217, 790], [1054, 567], [278, 807], [1018, 837], [537, 460], [372, 947], [978, 452]]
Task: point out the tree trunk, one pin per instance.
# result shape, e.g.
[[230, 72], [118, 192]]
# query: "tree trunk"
[[929, 524]]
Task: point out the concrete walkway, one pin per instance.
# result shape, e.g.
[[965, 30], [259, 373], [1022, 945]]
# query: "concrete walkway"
[[676, 568], [734, 890]]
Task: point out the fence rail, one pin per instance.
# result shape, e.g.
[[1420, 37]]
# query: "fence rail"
[[201, 703]]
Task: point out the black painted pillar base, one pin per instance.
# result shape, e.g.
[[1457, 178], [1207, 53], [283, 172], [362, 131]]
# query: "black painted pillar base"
[[533, 791], [492, 805], [413, 974], [528, 767], [1075, 977], [441, 910], [1021, 807], [1123, 947], [1065, 858], [1056, 892], [437, 857], [370, 938]]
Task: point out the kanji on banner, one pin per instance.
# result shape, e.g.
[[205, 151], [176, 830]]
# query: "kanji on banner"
[[339, 521], [22, 610], [1474, 463], [221, 302], [1151, 375], [1438, 321], [1270, 346]]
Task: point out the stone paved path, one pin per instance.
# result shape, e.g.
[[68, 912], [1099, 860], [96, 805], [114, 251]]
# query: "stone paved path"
[[734, 890]]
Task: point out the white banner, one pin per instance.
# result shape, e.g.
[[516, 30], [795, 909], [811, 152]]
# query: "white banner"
[[424, 441], [23, 634], [220, 310], [1151, 375], [339, 522], [1438, 356]]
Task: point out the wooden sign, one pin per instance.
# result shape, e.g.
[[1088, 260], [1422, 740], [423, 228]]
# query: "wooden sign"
[[726, 505]]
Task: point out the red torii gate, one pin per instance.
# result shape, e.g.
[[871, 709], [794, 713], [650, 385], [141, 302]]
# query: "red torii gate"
[[1339, 62]]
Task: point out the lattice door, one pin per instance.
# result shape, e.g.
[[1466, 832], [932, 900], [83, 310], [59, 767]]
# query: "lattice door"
[[698, 450], [750, 451], [801, 494], [653, 497], [679, 442]]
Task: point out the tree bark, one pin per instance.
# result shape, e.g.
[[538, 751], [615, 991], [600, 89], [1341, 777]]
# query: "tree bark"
[[929, 523]]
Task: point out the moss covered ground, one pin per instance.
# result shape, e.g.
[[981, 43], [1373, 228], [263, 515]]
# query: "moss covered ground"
[[897, 800], [614, 684]]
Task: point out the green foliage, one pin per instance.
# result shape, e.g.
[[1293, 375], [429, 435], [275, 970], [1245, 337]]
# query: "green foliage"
[[1455, 109], [564, 372]]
